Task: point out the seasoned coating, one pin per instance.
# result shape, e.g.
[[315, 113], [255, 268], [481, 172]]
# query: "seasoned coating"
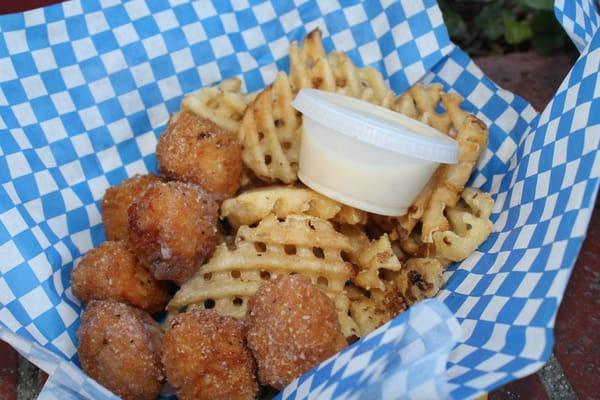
[[119, 346], [117, 199], [196, 150], [205, 357], [173, 229], [291, 327], [112, 272]]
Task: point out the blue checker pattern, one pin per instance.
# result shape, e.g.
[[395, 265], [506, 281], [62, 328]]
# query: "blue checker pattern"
[[86, 87], [579, 18]]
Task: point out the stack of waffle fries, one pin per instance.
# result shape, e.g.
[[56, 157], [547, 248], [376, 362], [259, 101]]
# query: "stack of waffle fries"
[[371, 266]]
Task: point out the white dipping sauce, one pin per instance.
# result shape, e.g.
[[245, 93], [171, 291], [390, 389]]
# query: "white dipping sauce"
[[364, 155]]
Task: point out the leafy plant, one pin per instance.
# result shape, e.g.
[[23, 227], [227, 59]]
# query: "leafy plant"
[[502, 26]]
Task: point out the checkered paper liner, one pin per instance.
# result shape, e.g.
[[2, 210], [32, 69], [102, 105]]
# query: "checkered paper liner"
[[579, 18], [86, 87]]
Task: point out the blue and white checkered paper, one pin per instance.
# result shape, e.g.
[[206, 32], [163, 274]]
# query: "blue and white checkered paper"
[[579, 18], [86, 87]]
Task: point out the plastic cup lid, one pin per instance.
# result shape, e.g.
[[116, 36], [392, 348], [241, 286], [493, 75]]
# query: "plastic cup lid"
[[376, 126]]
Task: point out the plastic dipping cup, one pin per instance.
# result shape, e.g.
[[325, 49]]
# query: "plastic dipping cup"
[[364, 155]]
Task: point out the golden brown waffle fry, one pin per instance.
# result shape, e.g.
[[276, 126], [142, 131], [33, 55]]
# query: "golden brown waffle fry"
[[374, 300], [450, 180], [269, 133], [401, 227], [270, 129], [372, 259], [350, 328], [252, 206], [444, 188], [426, 99], [357, 236], [481, 203], [293, 234], [302, 60], [248, 180], [413, 246], [362, 83], [369, 310], [351, 215], [407, 222], [420, 278], [310, 67], [223, 104], [299, 244], [469, 228], [366, 312]]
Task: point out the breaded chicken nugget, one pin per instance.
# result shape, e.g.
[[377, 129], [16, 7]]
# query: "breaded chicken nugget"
[[291, 327], [119, 346], [194, 149], [117, 199], [173, 229], [205, 357], [112, 272]]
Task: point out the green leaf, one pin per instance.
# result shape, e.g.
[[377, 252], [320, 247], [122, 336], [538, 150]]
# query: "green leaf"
[[516, 32], [544, 22], [488, 20], [548, 36], [539, 4], [548, 45]]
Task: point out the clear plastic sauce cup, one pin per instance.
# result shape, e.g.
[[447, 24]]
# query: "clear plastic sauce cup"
[[364, 155]]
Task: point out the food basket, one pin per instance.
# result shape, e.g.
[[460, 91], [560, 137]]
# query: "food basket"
[[87, 86]]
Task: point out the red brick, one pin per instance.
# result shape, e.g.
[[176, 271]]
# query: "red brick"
[[578, 322], [8, 372], [528, 74], [42, 378], [528, 388], [7, 7]]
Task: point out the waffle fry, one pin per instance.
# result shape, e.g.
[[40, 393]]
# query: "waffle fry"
[[469, 228], [269, 133], [300, 244], [223, 104], [351, 215], [481, 203], [414, 247], [401, 227], [361, 83], [253, 206], [349, 325], [373, 300], [310, 67], [302, 59], [270, 129], [426, 99], [419, 103], [472, 140], [371, 309], [444, 188], [420, 278], [372, 259], [366, 312]]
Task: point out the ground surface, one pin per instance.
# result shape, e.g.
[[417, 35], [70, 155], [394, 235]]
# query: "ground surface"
[[572, 371]]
